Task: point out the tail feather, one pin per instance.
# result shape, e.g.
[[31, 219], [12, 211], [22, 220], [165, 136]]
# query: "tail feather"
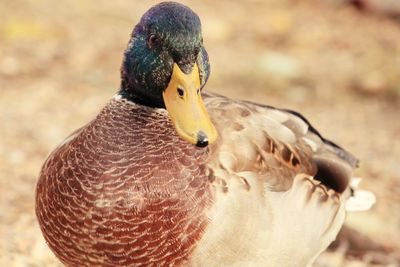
[[360, 200]]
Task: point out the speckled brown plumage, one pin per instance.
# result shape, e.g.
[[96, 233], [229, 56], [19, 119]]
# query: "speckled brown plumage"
[[124, 190]]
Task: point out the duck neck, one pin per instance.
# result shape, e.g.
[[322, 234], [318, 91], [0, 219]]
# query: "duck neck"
[[135, 93]]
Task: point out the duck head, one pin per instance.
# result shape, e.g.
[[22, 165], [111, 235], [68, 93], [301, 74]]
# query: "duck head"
[[166, 66]]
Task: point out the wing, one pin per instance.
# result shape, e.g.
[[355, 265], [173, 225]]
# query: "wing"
[[277, 144], [268, 201]]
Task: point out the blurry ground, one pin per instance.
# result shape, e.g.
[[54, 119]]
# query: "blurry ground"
[[59, 64]]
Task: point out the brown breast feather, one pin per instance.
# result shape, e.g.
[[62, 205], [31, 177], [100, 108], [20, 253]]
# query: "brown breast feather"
[[124, 190]]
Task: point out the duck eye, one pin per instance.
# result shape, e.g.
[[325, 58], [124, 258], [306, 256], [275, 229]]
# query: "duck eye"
[[153, 41], [198, 91], [180, 92]]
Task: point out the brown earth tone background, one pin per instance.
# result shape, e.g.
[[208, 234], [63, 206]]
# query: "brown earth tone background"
[[335, 61]]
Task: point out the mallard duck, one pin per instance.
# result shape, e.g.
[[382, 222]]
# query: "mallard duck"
[[170, 175]]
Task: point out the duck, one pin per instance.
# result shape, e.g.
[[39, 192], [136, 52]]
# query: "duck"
[[170, 174]]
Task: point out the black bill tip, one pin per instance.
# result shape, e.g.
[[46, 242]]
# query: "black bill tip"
[[202, 139]]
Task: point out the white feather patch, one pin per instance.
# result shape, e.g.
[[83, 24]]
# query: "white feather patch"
[[361, 200], [311, 143]]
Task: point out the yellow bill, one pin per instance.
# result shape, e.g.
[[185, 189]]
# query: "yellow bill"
[[186, 108]]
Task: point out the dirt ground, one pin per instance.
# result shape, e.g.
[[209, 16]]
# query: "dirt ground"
[[337, 65]]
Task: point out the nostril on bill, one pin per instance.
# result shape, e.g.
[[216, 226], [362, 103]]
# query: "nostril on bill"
[[202, 139]]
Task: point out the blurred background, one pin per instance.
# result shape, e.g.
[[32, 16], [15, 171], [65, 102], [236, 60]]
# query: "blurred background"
[[335, 61]]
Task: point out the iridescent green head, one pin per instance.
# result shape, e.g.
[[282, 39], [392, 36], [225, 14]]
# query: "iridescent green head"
[[167, 33], [166, 66]]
